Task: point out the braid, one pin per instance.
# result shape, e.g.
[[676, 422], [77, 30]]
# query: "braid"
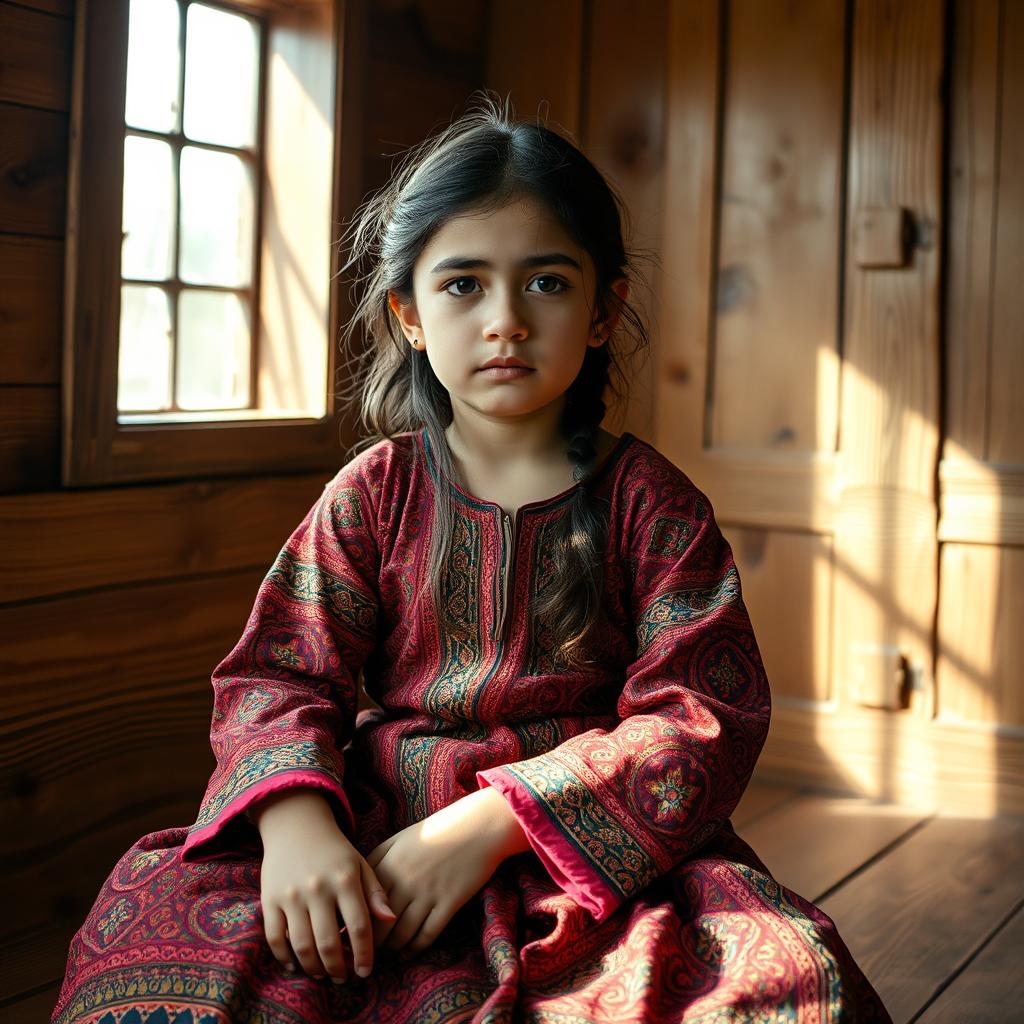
[[568, 606], [584, 411]]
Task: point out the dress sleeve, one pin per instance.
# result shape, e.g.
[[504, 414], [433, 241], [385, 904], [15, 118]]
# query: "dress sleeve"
[[608, 811], [284, 699]]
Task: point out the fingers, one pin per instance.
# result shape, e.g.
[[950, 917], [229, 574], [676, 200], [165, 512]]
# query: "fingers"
[[376, 897], [429, 930], [300, 935], [275, 926], [313, 931], [407, 926], [382, 924], [323, 919], [352, 904]]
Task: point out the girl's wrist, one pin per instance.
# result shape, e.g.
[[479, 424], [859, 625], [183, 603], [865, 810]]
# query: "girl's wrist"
[[286, 810], [494, 808]]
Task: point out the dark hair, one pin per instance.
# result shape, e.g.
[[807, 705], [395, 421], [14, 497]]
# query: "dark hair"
[[482, 161]]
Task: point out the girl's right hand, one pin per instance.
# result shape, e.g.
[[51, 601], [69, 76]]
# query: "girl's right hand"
[[310, 873]]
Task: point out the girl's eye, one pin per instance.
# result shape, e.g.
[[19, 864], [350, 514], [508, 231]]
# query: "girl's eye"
[[457, 281], [561, 285]]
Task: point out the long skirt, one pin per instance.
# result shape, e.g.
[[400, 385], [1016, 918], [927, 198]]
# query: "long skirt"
[[715, 939]]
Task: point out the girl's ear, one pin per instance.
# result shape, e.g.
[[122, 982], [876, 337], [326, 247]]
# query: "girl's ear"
[[605, 324], [406, 315]]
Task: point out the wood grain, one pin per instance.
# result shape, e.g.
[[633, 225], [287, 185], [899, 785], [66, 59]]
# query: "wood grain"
[[35, 58], [62, 8], [623, 134], [535, 55], [29, 439], [980, 651], [33, 170], [793, 636], [761, 798], [114, 536], [774, 335], [34, 1008], [86, 651], [1006, 410], [973, 187], [813, 842], [886, 555], [875, 754], [910, 918], [31, 307], [990, 985]]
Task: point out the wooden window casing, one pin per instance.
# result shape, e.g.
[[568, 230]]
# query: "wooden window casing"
[[97, 446]]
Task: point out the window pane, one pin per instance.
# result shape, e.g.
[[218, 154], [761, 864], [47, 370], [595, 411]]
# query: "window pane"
[[217, 213], [213, 350], [144, 354], [147, 215], [221, 77], [154, 64]]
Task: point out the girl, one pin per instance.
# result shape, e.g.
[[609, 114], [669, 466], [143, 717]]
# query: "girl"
[[533, 823]]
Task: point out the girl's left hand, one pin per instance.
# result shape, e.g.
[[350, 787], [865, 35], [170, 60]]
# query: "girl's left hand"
[[430, 869]]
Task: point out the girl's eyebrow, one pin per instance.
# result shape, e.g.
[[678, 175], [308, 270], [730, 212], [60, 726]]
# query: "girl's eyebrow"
[[544, 259]]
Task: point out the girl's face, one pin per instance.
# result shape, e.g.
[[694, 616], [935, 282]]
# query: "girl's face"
[[509, 282]]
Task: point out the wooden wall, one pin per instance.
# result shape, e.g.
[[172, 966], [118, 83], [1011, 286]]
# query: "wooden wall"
[[834, 192], [116, 603]]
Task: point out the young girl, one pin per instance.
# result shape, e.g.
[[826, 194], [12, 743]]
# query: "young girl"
[[533, 823]]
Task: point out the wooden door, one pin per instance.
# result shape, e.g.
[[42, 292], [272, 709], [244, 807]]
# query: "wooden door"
[[837, 198]]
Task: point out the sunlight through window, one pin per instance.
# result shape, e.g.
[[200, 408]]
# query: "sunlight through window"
[[190, 207]]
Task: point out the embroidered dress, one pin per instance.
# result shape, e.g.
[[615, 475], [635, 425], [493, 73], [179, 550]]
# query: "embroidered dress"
[[636, 901]]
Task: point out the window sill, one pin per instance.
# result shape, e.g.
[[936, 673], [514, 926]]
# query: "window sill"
[[237, 416]]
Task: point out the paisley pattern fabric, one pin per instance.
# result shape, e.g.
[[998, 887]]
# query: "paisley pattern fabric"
[[636, 901]]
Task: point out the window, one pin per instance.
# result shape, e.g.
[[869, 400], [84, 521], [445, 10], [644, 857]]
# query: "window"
[[206, 196], [192, 157]]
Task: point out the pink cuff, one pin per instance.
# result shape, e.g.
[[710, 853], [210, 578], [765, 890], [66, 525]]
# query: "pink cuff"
[[240, 805], [564, 861]]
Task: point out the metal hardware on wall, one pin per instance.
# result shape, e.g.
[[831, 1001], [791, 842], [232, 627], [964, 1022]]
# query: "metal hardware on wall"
[[880, 676], [883, 236]]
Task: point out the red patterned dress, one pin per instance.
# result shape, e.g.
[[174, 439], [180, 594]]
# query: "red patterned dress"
[[636, 902]]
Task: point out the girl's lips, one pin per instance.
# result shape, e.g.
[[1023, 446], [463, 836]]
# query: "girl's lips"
[[505, 372]]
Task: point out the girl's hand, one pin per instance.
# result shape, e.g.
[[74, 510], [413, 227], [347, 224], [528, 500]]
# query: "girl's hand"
[[430, 869], [310, 873]]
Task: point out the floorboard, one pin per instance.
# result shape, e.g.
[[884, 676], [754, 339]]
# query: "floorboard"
[[812, 843], [917, 915], [759, 799], [990, 989]]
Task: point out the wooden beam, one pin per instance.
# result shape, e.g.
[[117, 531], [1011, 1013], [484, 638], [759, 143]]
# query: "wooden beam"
[[35, 58], [114, 536]]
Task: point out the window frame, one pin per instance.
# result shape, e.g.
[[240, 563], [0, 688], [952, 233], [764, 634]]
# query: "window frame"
[[96, 448]]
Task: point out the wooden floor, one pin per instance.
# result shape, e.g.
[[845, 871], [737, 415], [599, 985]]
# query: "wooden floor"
[[930, 906]]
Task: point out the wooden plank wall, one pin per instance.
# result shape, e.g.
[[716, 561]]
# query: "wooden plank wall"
[[982, 472], [117, 603]]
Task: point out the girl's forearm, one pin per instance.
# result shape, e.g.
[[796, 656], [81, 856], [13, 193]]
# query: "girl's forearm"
[[492, 806], [299, 811]]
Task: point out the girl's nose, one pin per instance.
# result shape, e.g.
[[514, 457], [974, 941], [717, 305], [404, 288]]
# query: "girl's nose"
[[505, 319]]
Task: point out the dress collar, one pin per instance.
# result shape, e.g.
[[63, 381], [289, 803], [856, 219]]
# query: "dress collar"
[[609, 460]]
